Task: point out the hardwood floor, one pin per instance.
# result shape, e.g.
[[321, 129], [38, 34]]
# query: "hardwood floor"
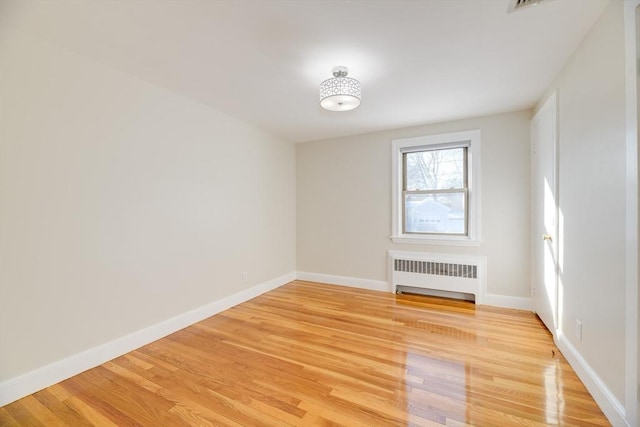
[[308, 354]]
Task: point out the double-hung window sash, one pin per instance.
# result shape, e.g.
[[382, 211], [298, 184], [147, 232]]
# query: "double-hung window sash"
[[435, 189]]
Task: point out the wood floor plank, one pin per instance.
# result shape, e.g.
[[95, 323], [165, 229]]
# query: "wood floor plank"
[[90, 414], [51, 399], [22, 415], [41, 412], [6, 419], [309, 354]]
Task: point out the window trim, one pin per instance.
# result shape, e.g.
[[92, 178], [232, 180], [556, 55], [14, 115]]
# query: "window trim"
[[471, 139]]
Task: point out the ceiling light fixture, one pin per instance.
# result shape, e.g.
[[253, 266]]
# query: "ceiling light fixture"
[[340, 93]]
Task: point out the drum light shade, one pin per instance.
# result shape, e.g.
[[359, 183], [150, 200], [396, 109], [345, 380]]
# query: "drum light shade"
[[340, 93]]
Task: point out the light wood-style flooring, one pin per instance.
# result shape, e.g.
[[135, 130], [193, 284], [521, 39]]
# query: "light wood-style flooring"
[[308, 354]]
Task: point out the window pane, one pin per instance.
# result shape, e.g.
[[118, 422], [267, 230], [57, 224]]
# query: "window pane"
[[435, 213], [435, 169]]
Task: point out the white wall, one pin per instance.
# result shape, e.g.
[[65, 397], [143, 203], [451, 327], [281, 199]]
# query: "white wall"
[[591, 91], [344, 203], [632, 83], [123, 204]]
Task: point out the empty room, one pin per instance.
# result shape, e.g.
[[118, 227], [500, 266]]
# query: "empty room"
[[319, 212]]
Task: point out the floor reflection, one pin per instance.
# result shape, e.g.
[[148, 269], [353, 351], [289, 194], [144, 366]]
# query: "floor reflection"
[[554, 400], [483, 366], [436, 389]]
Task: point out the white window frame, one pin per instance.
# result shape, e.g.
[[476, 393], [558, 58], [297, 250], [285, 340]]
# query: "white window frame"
[[400, 146]]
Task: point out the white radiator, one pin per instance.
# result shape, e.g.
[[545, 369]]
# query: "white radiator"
[[439, 272]]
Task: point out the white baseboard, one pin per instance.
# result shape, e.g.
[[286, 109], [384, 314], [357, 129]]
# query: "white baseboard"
[[610, 405], [354, 282], [18, 387], [505, 301], [53, 373]]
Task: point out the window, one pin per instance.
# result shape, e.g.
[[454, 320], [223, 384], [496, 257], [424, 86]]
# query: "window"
[[436, 189]]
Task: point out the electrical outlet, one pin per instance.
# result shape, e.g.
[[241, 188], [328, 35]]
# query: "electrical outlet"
[[245, 277], [578, 330]]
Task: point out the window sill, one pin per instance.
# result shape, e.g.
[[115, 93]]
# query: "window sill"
[[440, 240]]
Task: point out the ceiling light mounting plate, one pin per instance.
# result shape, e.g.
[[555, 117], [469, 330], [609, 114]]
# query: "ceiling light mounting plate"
[[340, 72]]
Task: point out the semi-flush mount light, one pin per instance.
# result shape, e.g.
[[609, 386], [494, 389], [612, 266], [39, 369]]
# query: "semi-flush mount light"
[[341, 93]]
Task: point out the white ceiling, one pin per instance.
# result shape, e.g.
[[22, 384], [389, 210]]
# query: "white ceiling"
[[262, 61]]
